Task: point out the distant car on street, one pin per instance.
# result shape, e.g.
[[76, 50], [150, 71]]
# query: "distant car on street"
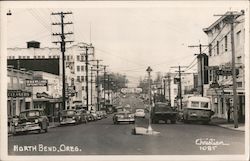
[[31, 120], [69, 117], [164, 112], [123, 116], [140, 113], [83, 116]]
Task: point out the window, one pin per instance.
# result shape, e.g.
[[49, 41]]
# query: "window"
[[78, 78], [78, 68], [82, 68], [39, 57], [194, 104], [34, 57], [239, 84], [210, 75], [225, 43], [210, 49], [238, 34], [218, 46], [82, 78], [43, 56], [82, 58], [28, 57], [68, 57], [49, 56], [19, 57], [204, 104], [78, 57]]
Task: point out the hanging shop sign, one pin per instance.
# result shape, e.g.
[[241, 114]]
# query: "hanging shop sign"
[[43, 95], [18, 93], [36, 82]]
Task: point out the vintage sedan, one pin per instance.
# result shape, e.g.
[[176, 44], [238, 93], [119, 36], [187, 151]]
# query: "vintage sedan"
[[124, 116], [69, 117], [81, 114], [31, 120]]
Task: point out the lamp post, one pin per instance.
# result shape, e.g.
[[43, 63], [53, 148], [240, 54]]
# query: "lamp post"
[[149, 130]]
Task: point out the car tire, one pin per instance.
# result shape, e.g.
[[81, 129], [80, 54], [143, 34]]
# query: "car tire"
[[173, 121]]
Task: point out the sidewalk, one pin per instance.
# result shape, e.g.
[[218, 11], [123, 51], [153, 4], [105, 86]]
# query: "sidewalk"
[[53, 125], [223, 123]]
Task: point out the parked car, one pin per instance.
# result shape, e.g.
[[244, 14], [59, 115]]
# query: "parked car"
[[140, 113], [69, 117], [99, 115], [90, 117], [93, 113], [123, 116], [31, 120], [104, 113], [83, 116], [164, 112]]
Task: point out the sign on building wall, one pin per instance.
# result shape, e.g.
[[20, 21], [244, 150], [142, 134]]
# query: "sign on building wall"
[[43, 95], [18, 93], [34, 82]]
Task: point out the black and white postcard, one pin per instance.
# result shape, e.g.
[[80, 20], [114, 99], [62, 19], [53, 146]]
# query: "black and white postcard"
[[124, 80]]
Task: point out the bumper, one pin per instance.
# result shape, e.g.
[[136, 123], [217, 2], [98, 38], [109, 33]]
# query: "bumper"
[[27, 128], [125, 120], [64, 122]]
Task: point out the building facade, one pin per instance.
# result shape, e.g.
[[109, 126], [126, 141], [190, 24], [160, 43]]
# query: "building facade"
[[74, 61], [19, 96], [220, 88]]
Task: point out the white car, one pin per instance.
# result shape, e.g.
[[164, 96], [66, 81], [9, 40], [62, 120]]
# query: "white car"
[[140, 113]]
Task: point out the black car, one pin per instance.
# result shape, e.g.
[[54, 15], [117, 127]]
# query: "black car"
[[164, 112], [31, 120]]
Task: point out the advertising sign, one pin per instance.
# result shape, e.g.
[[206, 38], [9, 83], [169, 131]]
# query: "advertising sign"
[[34, 82], [18, 93]]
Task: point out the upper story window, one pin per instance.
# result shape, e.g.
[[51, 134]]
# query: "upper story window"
[[78, 68], [78, 58], [82, 68], [218, 47], [225, 43]]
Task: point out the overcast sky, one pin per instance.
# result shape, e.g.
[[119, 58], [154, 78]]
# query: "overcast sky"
[[129, 36]]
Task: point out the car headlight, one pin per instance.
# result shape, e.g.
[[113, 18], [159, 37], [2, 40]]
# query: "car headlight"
[[36, 120], [73, 117], [16, 123]]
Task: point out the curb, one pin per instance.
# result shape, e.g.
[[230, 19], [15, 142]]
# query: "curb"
[[230, 128]]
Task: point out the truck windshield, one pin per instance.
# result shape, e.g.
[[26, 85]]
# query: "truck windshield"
[[162, 108]]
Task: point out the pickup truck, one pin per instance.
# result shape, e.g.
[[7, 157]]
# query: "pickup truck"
[[164, 112]]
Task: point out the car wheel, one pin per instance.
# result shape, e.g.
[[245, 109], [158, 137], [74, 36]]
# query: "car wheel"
[[173, 121]]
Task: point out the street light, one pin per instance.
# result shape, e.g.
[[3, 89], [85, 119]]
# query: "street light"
[[149, 130]]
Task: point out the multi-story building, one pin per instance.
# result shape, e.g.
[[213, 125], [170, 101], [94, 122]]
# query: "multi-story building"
[[19, 96], [220, 59], [74, 60]]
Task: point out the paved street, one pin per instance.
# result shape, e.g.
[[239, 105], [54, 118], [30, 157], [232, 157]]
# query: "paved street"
[[103, 137]]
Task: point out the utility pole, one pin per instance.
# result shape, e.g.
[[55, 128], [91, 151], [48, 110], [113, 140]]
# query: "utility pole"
[[169, 87], [149, 130], [97, 83], [180, 90], [86, 54], [108, 87], [63, 43], [164, 87], [91, 87], [104, 83], [231, 21], [201, 57]]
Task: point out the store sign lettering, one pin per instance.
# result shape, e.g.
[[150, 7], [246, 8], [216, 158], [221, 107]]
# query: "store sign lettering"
[[34, 82], [18, 93]]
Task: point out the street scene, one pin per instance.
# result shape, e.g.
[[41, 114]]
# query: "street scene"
[[126, 80]]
